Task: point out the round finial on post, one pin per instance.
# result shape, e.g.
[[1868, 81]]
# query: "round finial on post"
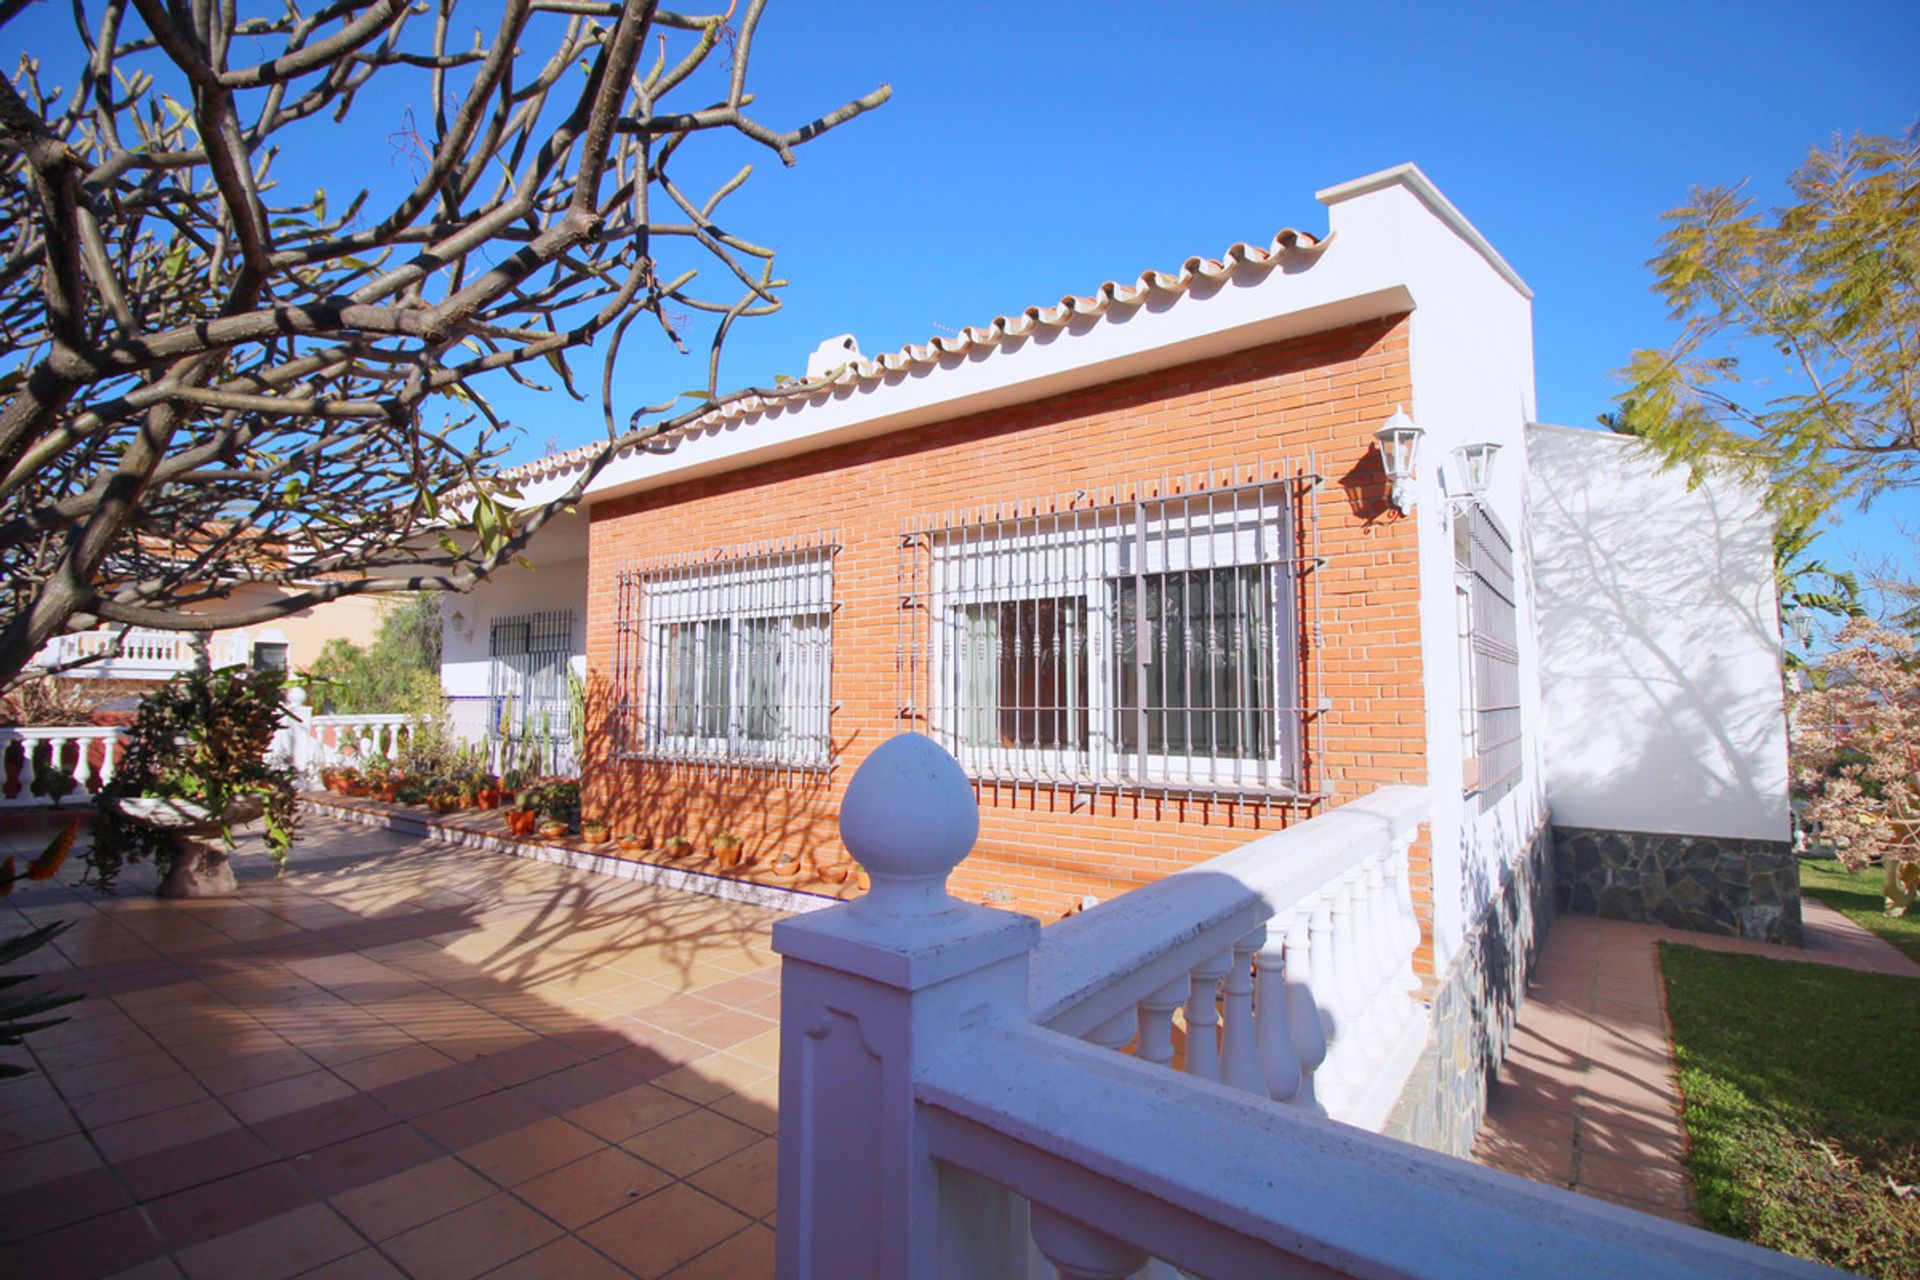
[[909, 818]]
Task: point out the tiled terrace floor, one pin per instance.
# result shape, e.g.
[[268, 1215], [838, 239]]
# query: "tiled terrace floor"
[[400, 1059], [1586, 1097]]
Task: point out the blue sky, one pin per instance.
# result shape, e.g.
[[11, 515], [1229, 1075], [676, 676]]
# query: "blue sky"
[[1034, 150]]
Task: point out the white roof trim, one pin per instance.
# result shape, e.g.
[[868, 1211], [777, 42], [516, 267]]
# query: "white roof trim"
[[1409, 176]]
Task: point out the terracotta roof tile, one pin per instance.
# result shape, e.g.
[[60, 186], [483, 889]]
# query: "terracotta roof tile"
[[1004, 329]]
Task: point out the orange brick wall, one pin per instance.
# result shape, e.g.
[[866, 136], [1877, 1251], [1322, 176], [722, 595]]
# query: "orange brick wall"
[[1040, 851]]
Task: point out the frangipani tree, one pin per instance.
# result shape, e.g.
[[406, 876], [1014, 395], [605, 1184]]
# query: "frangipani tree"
[[1856, 754], [212, 376]]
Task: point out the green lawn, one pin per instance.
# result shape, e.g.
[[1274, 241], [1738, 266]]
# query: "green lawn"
[[1802, 1099], [1856, 895]]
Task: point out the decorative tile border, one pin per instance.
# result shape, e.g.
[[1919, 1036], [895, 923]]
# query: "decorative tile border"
[[793, 901]]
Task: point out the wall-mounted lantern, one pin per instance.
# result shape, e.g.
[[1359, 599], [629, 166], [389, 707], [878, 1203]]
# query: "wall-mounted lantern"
[[460, 624], [1474, 462], [1399, 455], [1800, 626]]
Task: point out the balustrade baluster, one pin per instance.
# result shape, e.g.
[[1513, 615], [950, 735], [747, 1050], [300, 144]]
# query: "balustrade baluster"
[[1117, 1032], [1078, 1252], [1203, 1017], [1240, 1057], [1391, 998], [1306, 1029], [1409, 920], [1369, 926], [1346, 1065], [1156, 1022], [109, 758], [1279, 1059]]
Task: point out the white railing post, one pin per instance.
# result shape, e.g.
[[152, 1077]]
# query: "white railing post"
[[1279, 1057], [870, 994], [1240, 1059], [1307, 1030]]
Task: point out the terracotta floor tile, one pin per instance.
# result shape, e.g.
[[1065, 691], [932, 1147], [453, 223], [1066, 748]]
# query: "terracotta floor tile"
[[745, 1180], [232, 1203], [629, 1112], [206, 1160], [593, 1187], [472, 1241], [407, 1063], [746, 1256], [254, 1069], [138, 1068], [542, 1057], [406, 1200], [274, 1249], [35, 1125], [284, 1097], [48, 1206], [307, 1130], [478, 1120], [434, 1091], [566, 1258], [153, 1269], [368, 1264], [370, 1157], [514, 1157], [667, 1228], [87, 1250], [574, 1086], [691, 1142], [174, 1127]]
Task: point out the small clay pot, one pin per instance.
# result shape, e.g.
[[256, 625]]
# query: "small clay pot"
[[553, 830], [785, 869], [861, 880], [835, 873], [521, 822]]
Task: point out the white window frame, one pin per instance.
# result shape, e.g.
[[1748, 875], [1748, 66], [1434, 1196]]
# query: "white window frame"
[[1090, 556], [794, 590]]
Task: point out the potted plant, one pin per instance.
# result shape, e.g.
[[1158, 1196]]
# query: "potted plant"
[[194, 766], [630, 841], [676, 846], [835, 872], [487, 795], [525, 814], [786, 867], [559, 808], [595, 831], [726, 850]]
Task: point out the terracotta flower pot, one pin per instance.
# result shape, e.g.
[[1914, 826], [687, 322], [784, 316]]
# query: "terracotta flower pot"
[[786, 869], [488, 799], [861, 880], [521, 822], [553, 830], [835, 873], [726, 855]]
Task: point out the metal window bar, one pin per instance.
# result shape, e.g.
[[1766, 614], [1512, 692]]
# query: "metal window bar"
[[1149, 641], [528, 702], [1485, 557], [725, 660]]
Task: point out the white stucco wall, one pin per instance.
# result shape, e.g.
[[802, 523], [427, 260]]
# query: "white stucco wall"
[[1471, 357], [1660, 640], [558, 580]]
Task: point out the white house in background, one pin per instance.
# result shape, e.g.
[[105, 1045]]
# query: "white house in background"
[[1666, 743], [1388, 642], [506, 650]]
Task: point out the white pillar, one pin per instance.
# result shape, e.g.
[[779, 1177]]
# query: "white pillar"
[[869, 991]]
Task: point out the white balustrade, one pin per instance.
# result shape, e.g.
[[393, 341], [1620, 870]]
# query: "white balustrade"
[[354, 740], [86, 753], [139, 654], [955, 1101], [1320, 1015]]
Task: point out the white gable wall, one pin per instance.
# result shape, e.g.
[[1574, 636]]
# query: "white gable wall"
[[1660, 641], [1471, 352]]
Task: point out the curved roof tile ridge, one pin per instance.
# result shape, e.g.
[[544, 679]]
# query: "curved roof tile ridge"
[[1023, 324]]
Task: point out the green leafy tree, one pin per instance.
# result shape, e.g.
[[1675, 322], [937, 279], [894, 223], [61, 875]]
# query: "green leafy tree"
[[398, 672], [1828, 282]]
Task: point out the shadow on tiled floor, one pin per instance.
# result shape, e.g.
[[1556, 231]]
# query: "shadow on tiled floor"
[[399, 1059], [1586, 1097]]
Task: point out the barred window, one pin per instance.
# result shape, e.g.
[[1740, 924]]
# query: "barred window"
[[527, 678], [728, 661], [1483, 566], [1139, 644]]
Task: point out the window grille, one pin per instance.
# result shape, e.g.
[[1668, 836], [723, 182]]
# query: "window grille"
[[1483, 562], [1150, 643], [527, 681], [727, 662]]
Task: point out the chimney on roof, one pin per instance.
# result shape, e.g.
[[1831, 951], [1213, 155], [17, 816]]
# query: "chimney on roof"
[[831, 354]]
